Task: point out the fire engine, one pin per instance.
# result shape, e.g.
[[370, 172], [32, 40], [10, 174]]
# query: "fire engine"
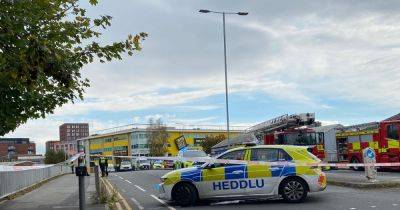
[[291, 130], [382, 136]]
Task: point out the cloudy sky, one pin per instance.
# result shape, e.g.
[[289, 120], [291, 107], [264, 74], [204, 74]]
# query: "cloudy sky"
[[338, 59]]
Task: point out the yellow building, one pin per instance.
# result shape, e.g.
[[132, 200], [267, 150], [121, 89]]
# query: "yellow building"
[[134, 142]]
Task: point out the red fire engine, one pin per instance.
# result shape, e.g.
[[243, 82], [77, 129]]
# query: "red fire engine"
[[291, 130], [382, 136]]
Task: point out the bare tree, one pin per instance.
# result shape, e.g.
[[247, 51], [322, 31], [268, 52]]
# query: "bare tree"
[[157, 136]]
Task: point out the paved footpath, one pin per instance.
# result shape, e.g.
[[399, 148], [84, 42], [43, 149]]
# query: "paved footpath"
[[60, 193]]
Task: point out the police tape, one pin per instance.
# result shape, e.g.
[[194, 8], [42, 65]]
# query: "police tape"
[[211, 160]]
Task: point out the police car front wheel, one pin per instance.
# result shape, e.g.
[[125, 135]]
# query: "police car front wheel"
[[184, 194], [294, 190]]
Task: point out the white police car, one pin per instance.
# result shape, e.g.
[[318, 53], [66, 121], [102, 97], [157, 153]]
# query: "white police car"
[[225, 181]]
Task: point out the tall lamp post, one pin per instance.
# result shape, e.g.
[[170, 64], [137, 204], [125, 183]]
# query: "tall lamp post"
[[226, 68]]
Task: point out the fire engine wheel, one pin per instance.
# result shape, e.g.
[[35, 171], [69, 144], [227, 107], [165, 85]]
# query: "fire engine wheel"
[[184, 194], [294, 190], [356, 168]]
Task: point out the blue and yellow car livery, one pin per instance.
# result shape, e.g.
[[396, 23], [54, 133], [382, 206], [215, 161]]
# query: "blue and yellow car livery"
[[270, 176]]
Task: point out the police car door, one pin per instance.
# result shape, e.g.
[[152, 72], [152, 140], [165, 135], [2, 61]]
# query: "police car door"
[[225, 179], [264, 176]]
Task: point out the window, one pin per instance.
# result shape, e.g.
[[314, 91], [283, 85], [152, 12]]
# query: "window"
[[352, 139], [234, 155], [366, 137], [269, 155], [392, 132]]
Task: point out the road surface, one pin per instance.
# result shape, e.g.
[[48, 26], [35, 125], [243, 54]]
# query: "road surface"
[[138, 188]]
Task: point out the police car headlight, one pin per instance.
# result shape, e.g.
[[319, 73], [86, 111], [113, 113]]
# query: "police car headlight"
[[163, 179]]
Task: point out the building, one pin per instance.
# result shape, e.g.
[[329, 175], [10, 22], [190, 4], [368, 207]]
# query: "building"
[[134, 141], [69, 134], [73, 131], [11, 148], [51, 145]]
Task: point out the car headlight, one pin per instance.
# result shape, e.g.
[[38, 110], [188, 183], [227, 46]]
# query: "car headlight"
[[163, 179]]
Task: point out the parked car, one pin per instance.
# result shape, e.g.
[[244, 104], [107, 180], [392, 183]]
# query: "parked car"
[[126, 166], [158, 164], [141, 163]]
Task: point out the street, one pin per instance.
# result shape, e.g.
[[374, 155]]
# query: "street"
[[138, 188]]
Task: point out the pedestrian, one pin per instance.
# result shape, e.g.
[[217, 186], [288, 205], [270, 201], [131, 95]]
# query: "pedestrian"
[[102, 166], [106, 166]]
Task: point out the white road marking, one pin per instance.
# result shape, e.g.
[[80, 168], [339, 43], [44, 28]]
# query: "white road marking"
[[395, 204], [137, 204], [352, 208], [120, 177], [140, 188], [64, 207], [373, 206], [161, 201], [128, 181]]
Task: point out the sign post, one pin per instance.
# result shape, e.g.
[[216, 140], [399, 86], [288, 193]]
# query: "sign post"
[[370, 158]]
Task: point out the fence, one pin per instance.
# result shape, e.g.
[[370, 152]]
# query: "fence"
[[16, 179]]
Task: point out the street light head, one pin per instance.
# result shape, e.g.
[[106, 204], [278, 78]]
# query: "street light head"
[[242, 13], [204, 11]]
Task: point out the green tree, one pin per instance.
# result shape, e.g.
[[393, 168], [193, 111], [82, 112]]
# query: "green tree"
[[54, 157], [210, 141], [43, 46], [157, 137]]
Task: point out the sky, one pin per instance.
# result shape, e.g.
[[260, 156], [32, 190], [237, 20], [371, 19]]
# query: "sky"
[[338, 59]]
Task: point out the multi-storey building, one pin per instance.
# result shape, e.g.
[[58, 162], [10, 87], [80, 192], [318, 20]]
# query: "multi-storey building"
[[73, 131], [10, 148], [134, 141], [51, 145], [69, 134]]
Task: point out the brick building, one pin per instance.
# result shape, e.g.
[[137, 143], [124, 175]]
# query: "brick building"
[[51, 145], [73, 131], [10, 148], [69, 133]]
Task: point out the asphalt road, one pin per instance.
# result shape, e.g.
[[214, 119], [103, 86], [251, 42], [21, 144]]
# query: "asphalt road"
[[138, 188]]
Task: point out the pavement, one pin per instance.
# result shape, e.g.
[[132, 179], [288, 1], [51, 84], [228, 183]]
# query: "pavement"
[[357, 179], [60, 193], [138, 188]]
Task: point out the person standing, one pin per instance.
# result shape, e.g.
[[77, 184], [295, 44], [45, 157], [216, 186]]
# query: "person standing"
[[102, 166]]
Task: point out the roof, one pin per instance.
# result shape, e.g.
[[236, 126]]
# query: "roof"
[[394, 117], [327, 128]]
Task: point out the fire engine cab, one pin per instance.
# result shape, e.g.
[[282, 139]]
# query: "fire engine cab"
[[382, 136]]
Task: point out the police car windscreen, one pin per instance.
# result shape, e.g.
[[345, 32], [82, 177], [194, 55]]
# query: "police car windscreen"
[[194, 153]]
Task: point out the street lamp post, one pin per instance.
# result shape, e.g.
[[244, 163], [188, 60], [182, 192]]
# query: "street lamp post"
[[225, 65]]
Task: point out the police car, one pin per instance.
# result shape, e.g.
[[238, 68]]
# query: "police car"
[[281, 171]]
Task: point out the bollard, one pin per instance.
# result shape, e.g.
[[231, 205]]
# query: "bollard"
[[81, 172], [96, 180], [370, 158]]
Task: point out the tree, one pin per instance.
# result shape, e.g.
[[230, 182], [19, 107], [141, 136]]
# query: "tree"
[[43, 46], [210, 141], [157, 137], [54, 157]]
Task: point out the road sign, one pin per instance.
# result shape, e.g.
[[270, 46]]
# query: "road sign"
[[370, 158]]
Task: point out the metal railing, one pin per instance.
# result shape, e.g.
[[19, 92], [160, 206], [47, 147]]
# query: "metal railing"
[[12, 181], [174, 126]]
